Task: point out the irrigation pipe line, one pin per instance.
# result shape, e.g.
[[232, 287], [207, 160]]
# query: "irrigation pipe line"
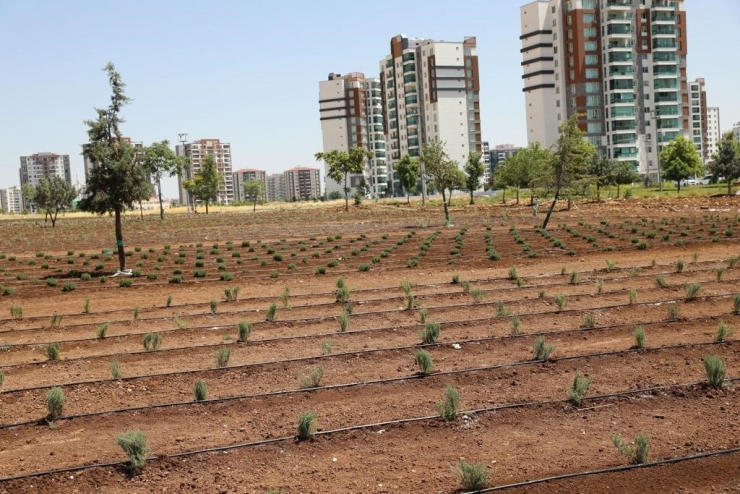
[[354, 428], [508, 365], [507, 288], [622, 468]]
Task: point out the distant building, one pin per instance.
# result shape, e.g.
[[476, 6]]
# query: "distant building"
[[499, 153], [302, 184], [11, 200], [275, 187], [40, 165], [243, 176], [89, 165], [196, 151], [736, 130], [351, 114], [714, 132]]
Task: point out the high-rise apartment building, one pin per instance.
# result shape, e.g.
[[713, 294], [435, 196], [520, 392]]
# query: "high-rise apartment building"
[[196, 151], [619, 64], [714, 132], [40, 165], [430, 91], [11, 200], [276, 187], [302, 184], [705, 142], [351, 115], [243, 176], [89, 165]]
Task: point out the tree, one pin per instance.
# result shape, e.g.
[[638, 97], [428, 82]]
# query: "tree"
[[474, 170], [408, 172], [114, 181], [569, 161], [160, 161], [623, 174], [726, 161], [444, 174], [602, 169], [255, 189], [206, 182], [52, 195], [144, 191], [342, 164], [432, 156], [524, 169], [680, 160]]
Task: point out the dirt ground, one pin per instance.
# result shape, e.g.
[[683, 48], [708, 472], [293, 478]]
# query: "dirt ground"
[[495, 284]]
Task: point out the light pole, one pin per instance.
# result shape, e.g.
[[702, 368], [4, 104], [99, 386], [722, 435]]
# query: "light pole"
[[183, 138]]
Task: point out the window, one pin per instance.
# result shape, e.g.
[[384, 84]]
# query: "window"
[[593, 87], [593, 128], [572, 75], [592, 73], [593, 114], [588, 18], [589, 45], [592, 59], [593, 100], [589, 32]]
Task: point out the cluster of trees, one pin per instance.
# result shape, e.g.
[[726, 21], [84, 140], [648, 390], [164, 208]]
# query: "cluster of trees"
[[726, 161], [51, 195], [342, 164]]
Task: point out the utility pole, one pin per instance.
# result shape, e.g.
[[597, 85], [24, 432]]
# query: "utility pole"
[[183, 138]]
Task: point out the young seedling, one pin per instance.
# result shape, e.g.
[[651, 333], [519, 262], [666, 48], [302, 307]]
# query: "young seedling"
[[115, 369], [516, 325], [231, 294], [423, 316], [406, 286], [168, 303], [223, 356], [152, 341], [54, 403], [561, 301], [679, 266], [343, 322], [134, 445], [424, 361], [589, 321], [430, 333], [736, 305], [87, 305], [243, 329], [477, 294], [56, 320], [180, 323], [610, 265], [285, 297], [573, 278], [136, 314], [637, 454], [660, 282], [306, 426], [719, 272], [579, 388], [501, 310], [715, 369], [639, 334], [632, 296], [200, 391], [271, 312], [16, 311], [473, 477], [723, 332], [541, 351], [313, 379], [102, 330], [449, 408], [2, 377], [513, 275], [326, 347], [692, 291], [51, 351], [674, 312], [343, 293]]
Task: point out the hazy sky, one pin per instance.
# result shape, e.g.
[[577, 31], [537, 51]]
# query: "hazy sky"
[[247, 71]]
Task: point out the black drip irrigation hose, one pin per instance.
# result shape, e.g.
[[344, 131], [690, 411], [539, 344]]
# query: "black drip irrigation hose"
[[364, 427]]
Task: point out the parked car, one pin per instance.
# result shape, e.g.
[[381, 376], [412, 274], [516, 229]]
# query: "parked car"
[[688, 181], [709, 179]]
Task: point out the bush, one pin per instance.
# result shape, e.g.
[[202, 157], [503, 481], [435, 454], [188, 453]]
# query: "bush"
[[306, 425], [660, 282], [85, 277], [448, 408], [424, 361], [54, 403], [723, 332], [180, 323], [472, 476], [125, 283], [16, 311], [674, 312], [102, 330], [52, 282], [200, 391], [321, 270], [56, 320], [152, 341], [589, 321], [223, 356], [134, 445], [343, 322], [313, 379], [272, 312], [579, 388], [639, 334], [243, 330], [632, 296], [175, 280], [715, 369], [430, 333], [68, 287], [638, 453], [692, 290], [232, 293], [115, 369], [541, 351], [561, 301], [51, 351], [679, 266], [226, 277], [573, 278]]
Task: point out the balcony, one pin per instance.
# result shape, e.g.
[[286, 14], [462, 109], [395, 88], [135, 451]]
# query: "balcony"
[[619, 17], [619, 4], [664, 30], [622, 71], [616, 44], [624, 139], [665, 5], [623, 126], [623, 112], [666, 98], [624, 153], [622, 98], [621, 57], [661, 17], [665, 57], [660, 84], [619, 31], [670, 123], [664, 44]]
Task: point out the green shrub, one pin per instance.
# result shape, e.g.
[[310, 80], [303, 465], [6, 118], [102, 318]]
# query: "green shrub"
[[306, 425], [660, 282], [243, 330], [54, 403], [477, 294], [200, 391], [632, 296], [589, 321], [473, 477], [175, 280], [271, 312], [56, 320], [449, 408], [541, 351], [573, 278], [115, 369], [561, 301], [326, 347], [313, 379], [343, 322], [16, 311], [320, 270], [226, 277], [68, 287], [6, 290], [636, 454], [692, 291], [679, 266], [423, 316], [125, 283], [424, 361], [579, 388], [430, 333], [52, 282], [364, 267], [639, 334], [723, 332], [501, 310], [152, 341], [102, 330], [343, 293], [223, 356], [134, 445], [51, 351], [232, 293], [180, 323], [715, 369], [674, 312], [85, 277], [513, 273]]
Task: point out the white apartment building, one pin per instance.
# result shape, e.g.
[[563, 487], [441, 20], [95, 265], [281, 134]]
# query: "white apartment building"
[[714, 132], [621, 64], [37, 166], [89, 165], [243, 176], [431, 92], [736, 130], [276, 187], [11, 200], [351, 114], [196, 151], [302, 184]]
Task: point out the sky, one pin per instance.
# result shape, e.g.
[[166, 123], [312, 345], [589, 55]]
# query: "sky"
[[247, 71]]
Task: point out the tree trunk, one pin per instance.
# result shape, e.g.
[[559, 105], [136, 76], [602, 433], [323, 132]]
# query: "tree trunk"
[[729, 186], [549, 211], [141, 210], [570, 202], [503, 196], [346, 193], [471, 198], [678, 188], [161, 206], [446, 208], [617, 191], [54, 219], [119, 241], [206, 201], [517, 196], [408, 198], [598, 192], [254, 209]]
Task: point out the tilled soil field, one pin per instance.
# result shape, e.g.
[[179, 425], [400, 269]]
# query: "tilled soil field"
[[285, 312]]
